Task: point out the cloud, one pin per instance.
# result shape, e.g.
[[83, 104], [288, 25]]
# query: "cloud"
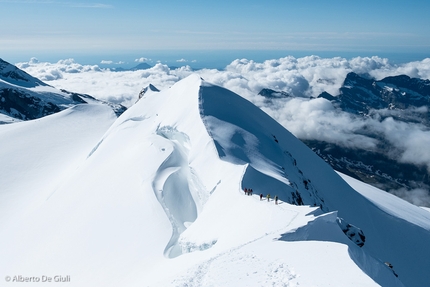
[[307, 76], [418, 196], [117, 87], [306, 116], [141, 60], [181, 60], [109, 62], [34, 60], [411, 141]]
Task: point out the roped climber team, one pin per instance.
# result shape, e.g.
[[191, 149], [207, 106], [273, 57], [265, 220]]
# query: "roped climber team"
[[248, 191]]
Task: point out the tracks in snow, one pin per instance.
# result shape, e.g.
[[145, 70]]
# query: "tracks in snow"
[[277, 274]]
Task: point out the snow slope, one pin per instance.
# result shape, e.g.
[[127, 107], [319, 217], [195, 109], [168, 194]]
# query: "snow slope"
[[36, 156], [155, 199]]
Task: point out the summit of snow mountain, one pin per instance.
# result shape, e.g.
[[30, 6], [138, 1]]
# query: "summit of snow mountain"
[[150, 87], [163, 189]]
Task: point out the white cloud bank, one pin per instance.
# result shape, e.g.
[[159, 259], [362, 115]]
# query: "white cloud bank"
[[304, 117]]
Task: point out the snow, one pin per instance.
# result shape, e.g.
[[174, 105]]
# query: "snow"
[[4, 119], [155, 198], [46, 93], [11, 74], [390, 204], [38, 155]]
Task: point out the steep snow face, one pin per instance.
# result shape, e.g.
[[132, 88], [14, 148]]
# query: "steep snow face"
[[278, 163], [157, 200], [248, 136]]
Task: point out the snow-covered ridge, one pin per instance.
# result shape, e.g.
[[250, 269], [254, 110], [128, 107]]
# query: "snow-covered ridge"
[[161, 188], [23, 97], [15, 76]]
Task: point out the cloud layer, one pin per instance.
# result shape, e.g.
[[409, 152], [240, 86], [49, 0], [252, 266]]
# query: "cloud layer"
[[305, 116]]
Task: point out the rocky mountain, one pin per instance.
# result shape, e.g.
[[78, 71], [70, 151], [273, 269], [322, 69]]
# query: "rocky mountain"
[[372, 167], [11, 74], [360, 95], [23, 97], [400, 97]]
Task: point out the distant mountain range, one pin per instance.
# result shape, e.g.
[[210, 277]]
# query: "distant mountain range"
[[404, 99], [141, 66], [23, 97], [360, 95]]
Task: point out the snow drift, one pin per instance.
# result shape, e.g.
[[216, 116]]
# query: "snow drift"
[[157, 200]]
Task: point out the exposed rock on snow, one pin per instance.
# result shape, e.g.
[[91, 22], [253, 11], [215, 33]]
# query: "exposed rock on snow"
[[144, 90], [354, 233], [24, 97]]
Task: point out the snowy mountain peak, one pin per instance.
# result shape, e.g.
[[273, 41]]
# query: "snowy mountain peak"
[[23, 97], [11, 74], [163, 189], [274, 161], [150, 87]]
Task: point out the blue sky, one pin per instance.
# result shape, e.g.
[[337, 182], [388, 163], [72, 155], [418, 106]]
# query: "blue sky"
[[73, 28]]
